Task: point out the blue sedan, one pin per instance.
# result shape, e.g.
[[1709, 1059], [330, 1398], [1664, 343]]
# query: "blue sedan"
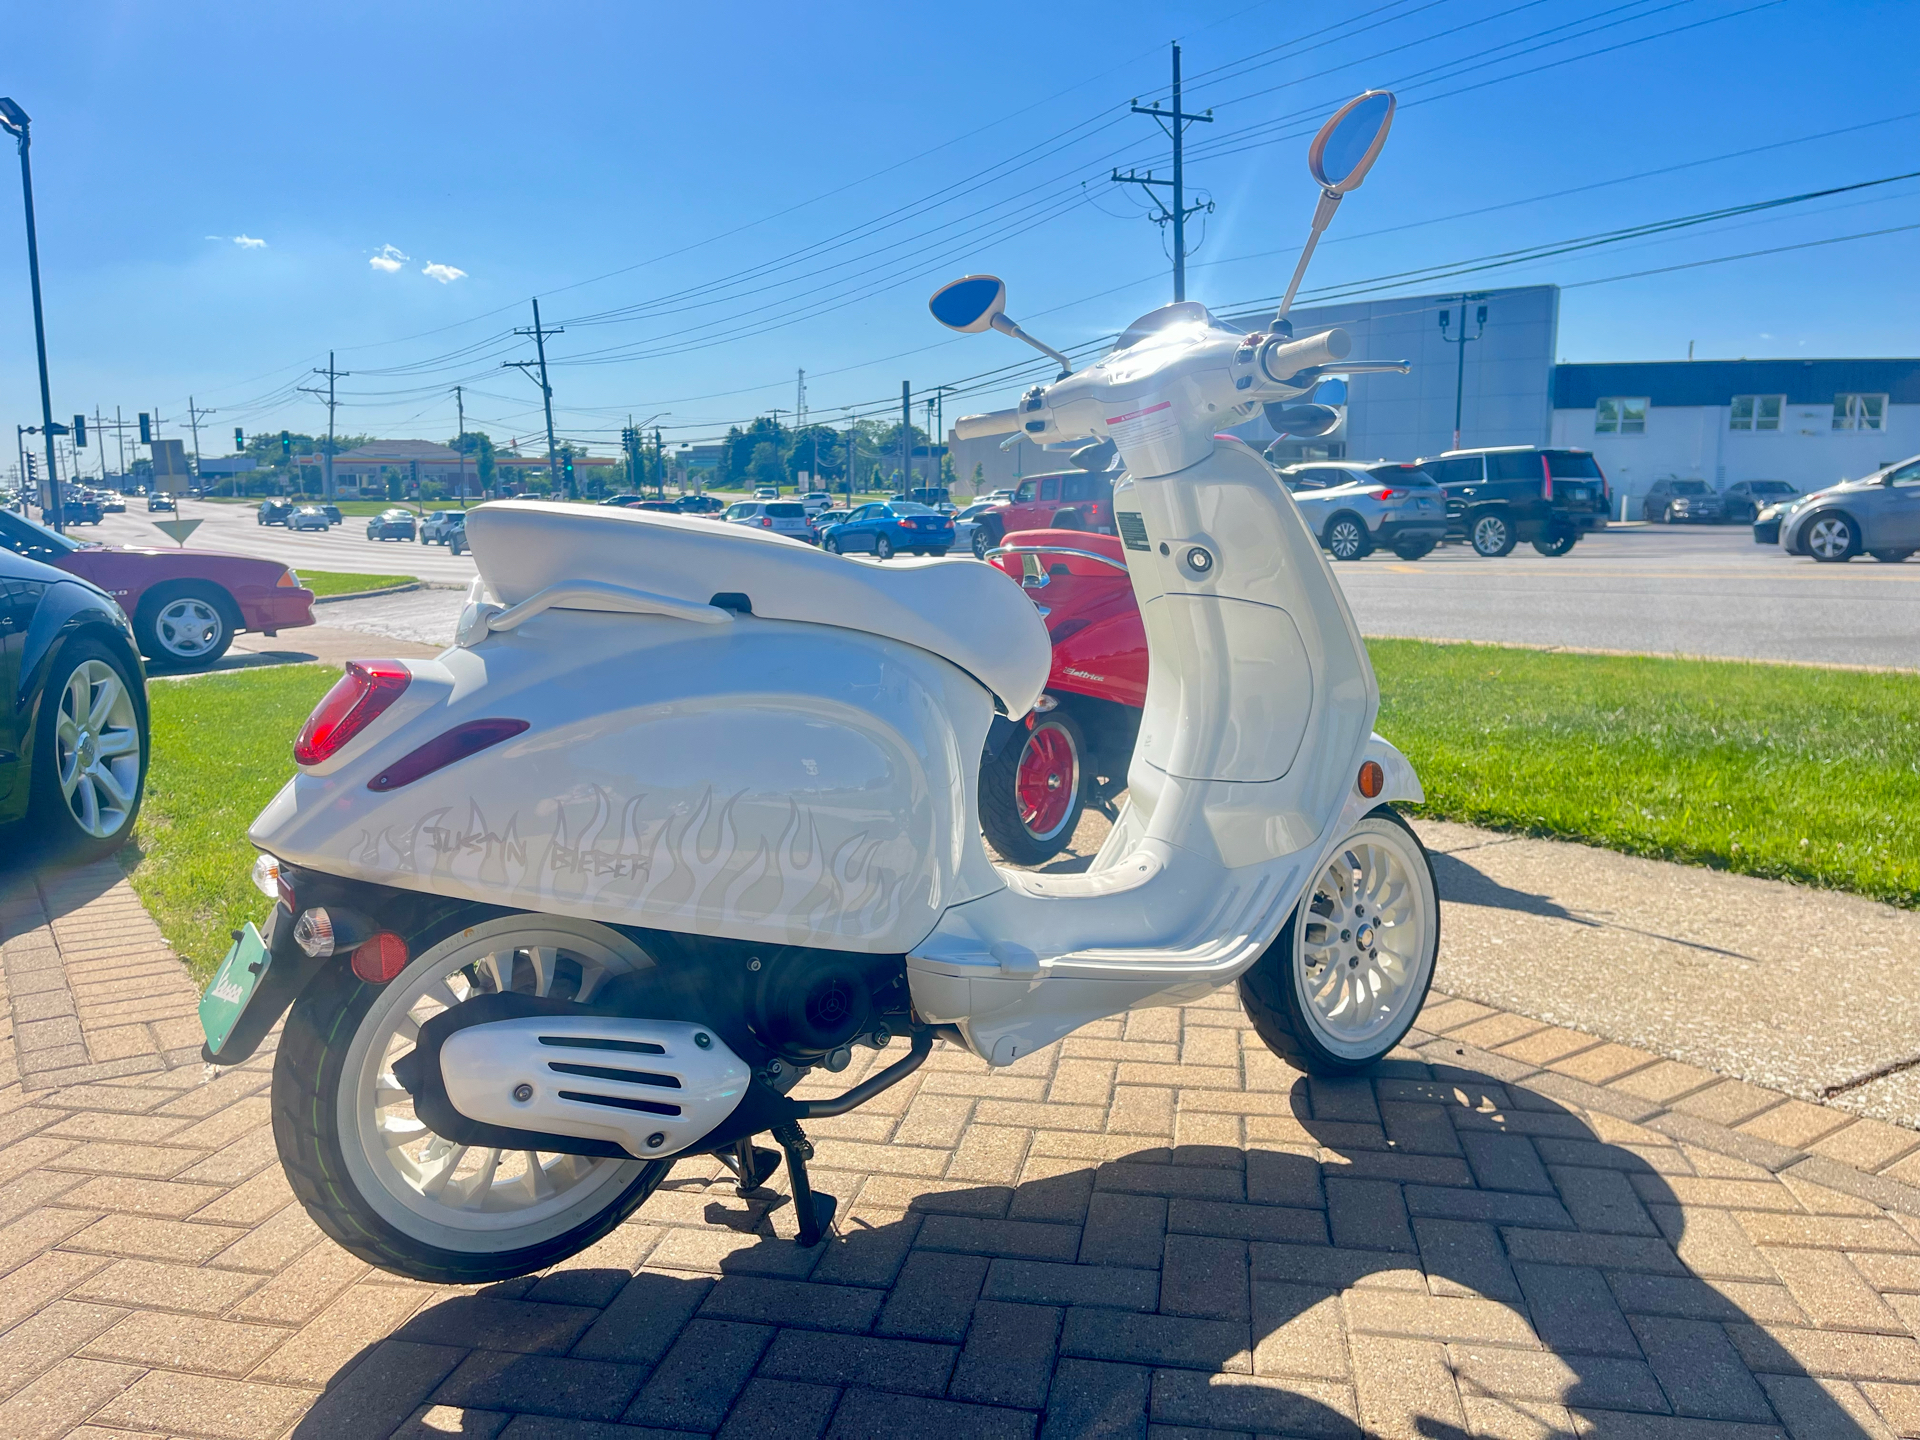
[[887, 528]]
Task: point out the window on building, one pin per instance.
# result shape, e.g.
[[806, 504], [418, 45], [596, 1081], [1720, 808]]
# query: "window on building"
[[1756, 412], [1619, 415], [1859, 412]]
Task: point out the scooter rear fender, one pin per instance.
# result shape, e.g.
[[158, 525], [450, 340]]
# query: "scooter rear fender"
[[765, 780]]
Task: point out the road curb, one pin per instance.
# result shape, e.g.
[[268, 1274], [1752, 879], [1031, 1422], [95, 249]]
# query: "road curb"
[[368, 594]]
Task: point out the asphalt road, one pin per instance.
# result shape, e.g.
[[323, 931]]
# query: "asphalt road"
[[1706, 590], [1665, 590], [234, 529]]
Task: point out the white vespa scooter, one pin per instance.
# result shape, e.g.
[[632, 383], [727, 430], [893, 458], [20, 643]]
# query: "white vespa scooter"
[[689, 811]]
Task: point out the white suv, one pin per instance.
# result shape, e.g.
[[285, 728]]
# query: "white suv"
[[783, 517]]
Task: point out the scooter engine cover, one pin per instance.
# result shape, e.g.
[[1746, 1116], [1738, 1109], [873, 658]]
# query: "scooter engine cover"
[[651, 1087]]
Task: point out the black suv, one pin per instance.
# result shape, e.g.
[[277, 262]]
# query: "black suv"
[[1499, 496]]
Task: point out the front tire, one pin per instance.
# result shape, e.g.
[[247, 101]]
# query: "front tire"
[[1832, 539], [397, 1195], [980, 545], [184, 626], [1346, 978], [1890, 557], [1033, 793], [1346, 538], [1493, 535], [830, 545]]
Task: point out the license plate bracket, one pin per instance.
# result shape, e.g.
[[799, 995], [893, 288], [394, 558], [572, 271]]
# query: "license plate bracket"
[[234, 985]]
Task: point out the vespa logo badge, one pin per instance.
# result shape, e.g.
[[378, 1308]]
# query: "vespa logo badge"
[[228, 991]]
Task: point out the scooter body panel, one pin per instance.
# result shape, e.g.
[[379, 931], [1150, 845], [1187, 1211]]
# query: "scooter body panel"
[[764, 780]]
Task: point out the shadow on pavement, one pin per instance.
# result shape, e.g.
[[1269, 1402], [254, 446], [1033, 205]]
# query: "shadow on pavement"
[[1302, 1289]]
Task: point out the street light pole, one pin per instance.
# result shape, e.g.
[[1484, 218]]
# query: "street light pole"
[[15, 121], [1462, 340]]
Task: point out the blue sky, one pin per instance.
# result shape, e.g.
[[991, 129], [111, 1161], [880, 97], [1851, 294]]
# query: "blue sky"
[[709, 198]]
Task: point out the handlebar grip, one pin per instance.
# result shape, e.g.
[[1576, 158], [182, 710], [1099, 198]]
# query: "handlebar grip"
[[1282, 358], [993, 422]]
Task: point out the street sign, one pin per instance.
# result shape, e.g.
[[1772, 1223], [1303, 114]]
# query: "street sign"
[[176, 530], [170, 466]]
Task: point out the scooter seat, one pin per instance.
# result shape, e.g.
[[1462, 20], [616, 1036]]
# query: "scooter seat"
[[961, 610]]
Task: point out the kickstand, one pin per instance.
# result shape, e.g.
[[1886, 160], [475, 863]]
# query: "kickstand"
[[750, 1164], [813, 1212]]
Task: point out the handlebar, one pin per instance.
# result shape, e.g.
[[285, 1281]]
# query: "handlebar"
[[993, 422], [1282, 359]]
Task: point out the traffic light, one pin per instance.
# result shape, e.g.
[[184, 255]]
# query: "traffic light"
[[239, 439], [566, 471], [80, 430], [146, 429], [286, 447]]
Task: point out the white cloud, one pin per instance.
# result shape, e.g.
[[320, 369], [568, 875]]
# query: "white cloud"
[[387, 259], [445, 274], [248, 242]]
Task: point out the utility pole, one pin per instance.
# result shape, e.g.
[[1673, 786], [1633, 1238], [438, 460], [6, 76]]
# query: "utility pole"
[[853, 441], [98, 427], [1174, 122], [194, 417], [1462, 340], [120, 437], [546, 391], [326, 460], [906, 435], [460, 440], [15, 120], [659, 462]]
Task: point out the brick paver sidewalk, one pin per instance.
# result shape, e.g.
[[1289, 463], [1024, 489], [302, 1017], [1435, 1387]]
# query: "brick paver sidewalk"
[[1511, 1231]]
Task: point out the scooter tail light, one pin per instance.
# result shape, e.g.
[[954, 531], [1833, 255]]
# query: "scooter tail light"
[[456, 744], [379, 958], [313, 932], [356, 700]]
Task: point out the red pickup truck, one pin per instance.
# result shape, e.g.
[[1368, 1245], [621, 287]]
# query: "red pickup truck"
[[185, 605]]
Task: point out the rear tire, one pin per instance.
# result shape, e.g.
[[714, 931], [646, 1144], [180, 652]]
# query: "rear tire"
[[88, 779], [1492, 535], [1033, 793], [379, 1201], [1556, 542], [185, 625], [1346, 537], [1321, 997]]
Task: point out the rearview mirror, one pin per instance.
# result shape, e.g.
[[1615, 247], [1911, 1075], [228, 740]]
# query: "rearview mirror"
[[969, 303], [1349, 143], [1302, 422]]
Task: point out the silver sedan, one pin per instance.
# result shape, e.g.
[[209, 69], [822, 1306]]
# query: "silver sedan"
[[1353, 508], [1878, 514]]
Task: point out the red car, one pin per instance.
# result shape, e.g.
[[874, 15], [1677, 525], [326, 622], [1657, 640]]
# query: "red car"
[[1073, 499], [1073, 749], [185, 605]]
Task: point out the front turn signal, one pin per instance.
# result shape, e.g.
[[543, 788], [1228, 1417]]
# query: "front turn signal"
[[1372, 779]]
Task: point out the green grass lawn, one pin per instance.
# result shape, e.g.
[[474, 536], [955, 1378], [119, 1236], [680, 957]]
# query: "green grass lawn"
[[1787, 772], [1798, 774], [335, 582], [222, 745]]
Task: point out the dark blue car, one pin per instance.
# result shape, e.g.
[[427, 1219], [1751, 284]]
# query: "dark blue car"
[[890, 527]]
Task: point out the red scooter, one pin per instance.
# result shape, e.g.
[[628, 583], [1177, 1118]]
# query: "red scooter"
[[1072, 750]]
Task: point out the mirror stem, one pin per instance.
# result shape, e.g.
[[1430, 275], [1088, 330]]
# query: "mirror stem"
[[1322, 217], [1007, 327]]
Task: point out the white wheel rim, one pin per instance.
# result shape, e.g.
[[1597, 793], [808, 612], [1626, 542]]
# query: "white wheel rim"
[[1490, 534], [96, 748], [189, 627], [1829, 537], [1364, 941], [474, 1199]]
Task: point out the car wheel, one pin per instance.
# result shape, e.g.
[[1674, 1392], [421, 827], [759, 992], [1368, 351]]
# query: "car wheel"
[[1346, 978], [1890, 557], [90, 752], [830, 545], [184, 626], [1831, 539], [1033, 792], [1346, 538], [980, 545], [457, 545], [1556, 542], [882, 547], [1492, 535], [1413, 549]]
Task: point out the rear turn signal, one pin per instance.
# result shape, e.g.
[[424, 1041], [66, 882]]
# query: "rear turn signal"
[[288, 579], [1372, 779], [355, 701]]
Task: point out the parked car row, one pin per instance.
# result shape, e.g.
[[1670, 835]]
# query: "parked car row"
[[1674, 501]]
